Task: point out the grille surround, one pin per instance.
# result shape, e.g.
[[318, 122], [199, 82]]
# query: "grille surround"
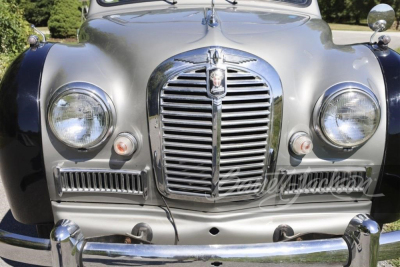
[[72, 180], [208, 143]]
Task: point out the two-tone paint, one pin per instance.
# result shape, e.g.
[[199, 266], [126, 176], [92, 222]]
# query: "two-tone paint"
[[119, 49]]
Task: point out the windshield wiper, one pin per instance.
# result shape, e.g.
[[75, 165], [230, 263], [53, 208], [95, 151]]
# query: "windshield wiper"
[[173, 2]]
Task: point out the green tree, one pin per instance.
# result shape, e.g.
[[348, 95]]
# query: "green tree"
[[358, 9], [332, 10], [37, 11], [65, 18], [352, 11], [14, 31], [396, 6]]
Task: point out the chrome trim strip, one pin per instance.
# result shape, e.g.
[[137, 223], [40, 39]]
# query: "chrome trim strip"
[[331, 93], [216, 145], [93, 91]]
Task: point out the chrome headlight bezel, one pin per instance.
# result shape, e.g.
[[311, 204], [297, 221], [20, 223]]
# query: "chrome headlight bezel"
[[330, 94], [99, 96]]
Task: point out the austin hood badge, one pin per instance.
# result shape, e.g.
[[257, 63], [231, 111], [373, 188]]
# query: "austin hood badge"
[[217, 80]]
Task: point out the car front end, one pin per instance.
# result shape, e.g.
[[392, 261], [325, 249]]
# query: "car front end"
[[181, 132]]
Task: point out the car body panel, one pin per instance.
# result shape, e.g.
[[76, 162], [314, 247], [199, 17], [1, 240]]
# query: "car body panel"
[[249, 226], [387, 208], [21, 152], [120, 58]]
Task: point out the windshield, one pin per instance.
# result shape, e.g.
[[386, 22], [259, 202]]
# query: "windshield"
[[301, 3]]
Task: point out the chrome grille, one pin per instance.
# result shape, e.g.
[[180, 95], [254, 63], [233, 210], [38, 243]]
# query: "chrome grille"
[[101, 181], [244, 131], [323, 182], [215, 117], [187, 134], [189, 153]]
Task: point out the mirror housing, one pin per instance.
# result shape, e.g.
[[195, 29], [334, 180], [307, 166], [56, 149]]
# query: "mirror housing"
[[381, 18]]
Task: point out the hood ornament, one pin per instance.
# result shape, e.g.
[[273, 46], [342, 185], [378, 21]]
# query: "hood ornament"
[[210, 18]]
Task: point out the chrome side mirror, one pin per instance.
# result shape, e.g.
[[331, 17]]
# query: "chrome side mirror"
[[381, 18]]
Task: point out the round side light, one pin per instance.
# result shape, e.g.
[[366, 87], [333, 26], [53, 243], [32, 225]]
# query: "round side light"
[[125, 144], [301, 144]]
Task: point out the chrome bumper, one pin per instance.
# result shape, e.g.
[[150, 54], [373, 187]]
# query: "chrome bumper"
[[361, 245]]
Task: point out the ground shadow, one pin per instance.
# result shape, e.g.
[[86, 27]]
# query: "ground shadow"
[[9, 224]]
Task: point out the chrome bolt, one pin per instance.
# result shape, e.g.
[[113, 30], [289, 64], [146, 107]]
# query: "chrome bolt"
[[33, 41], [385, 39]]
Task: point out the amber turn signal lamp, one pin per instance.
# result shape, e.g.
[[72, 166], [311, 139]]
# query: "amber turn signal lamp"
[[301, 144], [125, 144]]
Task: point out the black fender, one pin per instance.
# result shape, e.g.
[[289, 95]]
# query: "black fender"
[[21, 153], [386, 208]]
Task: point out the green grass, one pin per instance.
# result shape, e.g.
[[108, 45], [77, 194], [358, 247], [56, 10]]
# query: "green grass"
[[393, 227], [63, 41], [45, 30], [351, 27], [395, 263], [398, 50], [348, 27]]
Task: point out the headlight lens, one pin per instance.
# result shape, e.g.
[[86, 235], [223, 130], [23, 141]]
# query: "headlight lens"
[[79, 118], [349, 118]]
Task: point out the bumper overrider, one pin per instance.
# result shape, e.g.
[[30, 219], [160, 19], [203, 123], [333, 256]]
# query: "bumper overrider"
[[361, 245]]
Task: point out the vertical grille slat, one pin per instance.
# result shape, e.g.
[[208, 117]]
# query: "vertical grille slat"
[[101, 181]]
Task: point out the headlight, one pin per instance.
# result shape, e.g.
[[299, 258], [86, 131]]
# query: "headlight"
[[81, 115], [348, 115]]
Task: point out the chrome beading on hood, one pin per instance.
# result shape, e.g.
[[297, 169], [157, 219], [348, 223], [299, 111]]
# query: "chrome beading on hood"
[[214, 123]]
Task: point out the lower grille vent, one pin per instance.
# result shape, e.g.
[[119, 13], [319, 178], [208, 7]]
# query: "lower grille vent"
[[323, 182], [101, 181]]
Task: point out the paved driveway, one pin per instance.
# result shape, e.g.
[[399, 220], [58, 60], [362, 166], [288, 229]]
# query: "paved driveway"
[[351, 37], [8, 223]]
